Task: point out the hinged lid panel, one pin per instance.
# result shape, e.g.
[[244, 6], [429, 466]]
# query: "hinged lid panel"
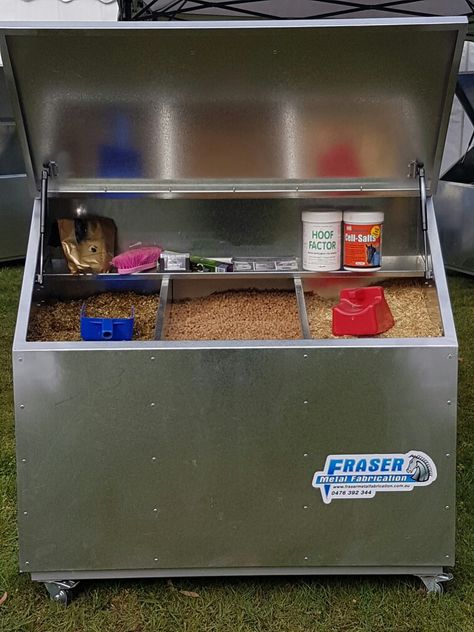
[[275, 106]]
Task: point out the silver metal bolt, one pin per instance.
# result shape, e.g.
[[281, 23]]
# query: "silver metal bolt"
[[27, 563], [306, 558], [305, 401], [155, 510], [447, 507], [305, 454], [153, 458], [447, 557], [20, 359], [449, 402], [23, 460], [155, 559], [152, 404], [305, 506], [152, 358], [305, 355], [450, 355], [22, 406], [448, 454], [25, 513]]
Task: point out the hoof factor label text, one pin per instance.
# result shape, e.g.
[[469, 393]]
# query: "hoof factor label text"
[[360, 476]]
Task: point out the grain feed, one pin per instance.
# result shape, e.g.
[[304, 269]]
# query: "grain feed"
[[236, 315], [60, 320]]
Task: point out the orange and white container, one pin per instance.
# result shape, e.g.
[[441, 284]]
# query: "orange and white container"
[[362, 240]]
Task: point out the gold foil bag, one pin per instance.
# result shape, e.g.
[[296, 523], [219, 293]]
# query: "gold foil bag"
[[88, 244]]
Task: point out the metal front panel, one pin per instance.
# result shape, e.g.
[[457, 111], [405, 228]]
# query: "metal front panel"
[[204, 458], [455, 217], [321, 104]]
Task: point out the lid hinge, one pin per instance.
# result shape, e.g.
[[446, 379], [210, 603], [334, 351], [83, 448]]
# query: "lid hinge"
[[420, 171], [49, 169]]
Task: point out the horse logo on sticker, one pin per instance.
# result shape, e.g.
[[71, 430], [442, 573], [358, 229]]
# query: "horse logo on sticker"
[[359, 476]]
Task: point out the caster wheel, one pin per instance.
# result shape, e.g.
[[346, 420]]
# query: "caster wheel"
[[61, 597]]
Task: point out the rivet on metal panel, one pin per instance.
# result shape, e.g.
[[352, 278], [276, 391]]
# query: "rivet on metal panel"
[[152, 358], [20, 359], [449, 402], [153, 458], [305, 355], [305, 506], [275, 51], [23, 460], [305, 454], [22, 406], [25, 513], [155, 559], [447, 507], [305, 401], [306, 558], [447, 557], [448, 454], [27, 563], [155, 510], [152, 404], [450, 356]]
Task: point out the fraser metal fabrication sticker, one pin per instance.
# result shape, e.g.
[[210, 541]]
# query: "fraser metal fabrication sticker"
[[361, 476]]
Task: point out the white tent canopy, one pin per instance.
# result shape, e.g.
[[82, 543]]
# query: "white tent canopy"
[[44, 10]]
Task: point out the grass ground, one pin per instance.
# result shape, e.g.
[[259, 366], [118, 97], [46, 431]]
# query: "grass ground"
[[238, 605]]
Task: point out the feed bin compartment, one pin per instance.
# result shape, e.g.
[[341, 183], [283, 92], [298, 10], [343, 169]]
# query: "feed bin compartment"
[[234, 434]]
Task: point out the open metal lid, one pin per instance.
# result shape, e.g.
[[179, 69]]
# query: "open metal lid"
[[217, 108]]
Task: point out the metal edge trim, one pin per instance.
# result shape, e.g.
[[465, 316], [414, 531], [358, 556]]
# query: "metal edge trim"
[[230, 572], [440, 277], [26, 295], [303, 315], [297, 189], [442, 21], [307, 346], [163, 309]]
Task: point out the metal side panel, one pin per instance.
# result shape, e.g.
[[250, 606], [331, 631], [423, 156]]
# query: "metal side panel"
[[15, 217], [204, 458], [455, 217]]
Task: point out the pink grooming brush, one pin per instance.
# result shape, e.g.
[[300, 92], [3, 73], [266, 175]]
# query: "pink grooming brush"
[[137, 259]]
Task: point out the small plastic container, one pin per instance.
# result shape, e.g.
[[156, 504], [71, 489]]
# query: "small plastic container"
[[106, 328], [362, 240], [321, 240]]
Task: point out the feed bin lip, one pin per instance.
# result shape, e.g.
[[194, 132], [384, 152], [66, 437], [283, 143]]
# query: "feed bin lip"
[[409, 94]]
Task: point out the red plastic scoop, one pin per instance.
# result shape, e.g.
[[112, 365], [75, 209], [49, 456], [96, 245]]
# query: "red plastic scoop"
[[361, 312]]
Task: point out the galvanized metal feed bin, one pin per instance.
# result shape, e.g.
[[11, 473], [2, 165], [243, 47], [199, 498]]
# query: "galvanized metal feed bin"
[[195, 458]]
